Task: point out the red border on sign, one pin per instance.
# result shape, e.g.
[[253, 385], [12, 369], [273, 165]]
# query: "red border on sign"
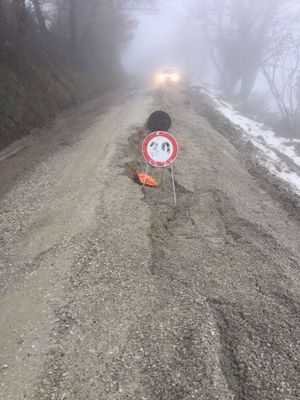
[[159, 164]]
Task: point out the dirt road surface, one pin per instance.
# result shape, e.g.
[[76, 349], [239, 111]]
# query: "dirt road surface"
[[108, 292]]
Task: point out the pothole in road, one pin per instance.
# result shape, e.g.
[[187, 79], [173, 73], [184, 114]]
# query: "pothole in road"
[[165, 216]]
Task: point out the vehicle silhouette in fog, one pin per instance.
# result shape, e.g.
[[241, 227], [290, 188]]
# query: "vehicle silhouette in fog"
[[168, 76]]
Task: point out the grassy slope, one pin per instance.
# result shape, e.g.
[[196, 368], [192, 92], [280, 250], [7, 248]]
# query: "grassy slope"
[[32, 93]]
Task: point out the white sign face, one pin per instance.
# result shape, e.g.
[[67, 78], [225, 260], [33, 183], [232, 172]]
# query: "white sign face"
[[160, 149]]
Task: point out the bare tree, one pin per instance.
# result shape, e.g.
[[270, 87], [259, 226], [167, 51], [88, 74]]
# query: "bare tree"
[[40, 16], [73, 23], [3, 23], [237, 32], [297, 114], [85, 34], [280, 62], [281, 69]]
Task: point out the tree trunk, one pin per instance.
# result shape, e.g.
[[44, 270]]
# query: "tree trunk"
[[40, 17], [268, 19], [209, 41], [73, 29], [18, 22], [248, 80], [276, 93], [228, 82], [3, 26], [297, 113], [250, 70]]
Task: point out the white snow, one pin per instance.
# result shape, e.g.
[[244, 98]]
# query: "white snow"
[[269, 145]]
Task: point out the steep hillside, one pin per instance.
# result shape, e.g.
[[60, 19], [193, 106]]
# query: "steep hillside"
[[33, 92]]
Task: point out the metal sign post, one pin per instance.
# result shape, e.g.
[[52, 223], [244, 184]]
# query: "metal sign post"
[[173, 182], [160, 150], [147, 167]]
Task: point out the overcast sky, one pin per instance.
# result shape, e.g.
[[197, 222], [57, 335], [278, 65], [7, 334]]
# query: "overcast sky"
[[153, 43]]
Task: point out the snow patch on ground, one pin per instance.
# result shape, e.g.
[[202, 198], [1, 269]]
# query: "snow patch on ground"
[[269, 145]]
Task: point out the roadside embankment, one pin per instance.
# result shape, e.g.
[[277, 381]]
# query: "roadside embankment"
[[34, 91]]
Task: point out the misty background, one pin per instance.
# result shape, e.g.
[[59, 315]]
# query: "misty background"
[[160, 40], [56, 53], [248, 50]]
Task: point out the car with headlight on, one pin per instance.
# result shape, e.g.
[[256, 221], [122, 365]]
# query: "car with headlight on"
[[168, 76]]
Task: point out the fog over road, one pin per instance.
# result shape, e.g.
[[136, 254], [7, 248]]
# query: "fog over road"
[[108, 292]]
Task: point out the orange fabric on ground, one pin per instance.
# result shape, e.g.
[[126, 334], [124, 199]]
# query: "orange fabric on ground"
[[146, 180]]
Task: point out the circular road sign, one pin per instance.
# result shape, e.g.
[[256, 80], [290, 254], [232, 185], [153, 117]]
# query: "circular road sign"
[[160, 149]]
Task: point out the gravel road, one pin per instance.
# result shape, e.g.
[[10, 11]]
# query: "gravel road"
[[108, 291]]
